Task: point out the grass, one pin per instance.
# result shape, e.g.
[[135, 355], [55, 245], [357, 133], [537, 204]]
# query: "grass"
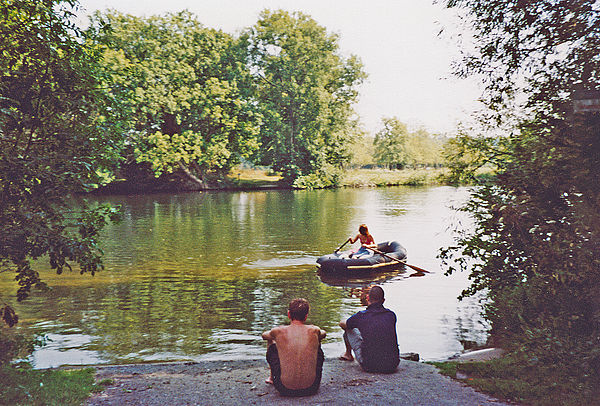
[[253, 178], [513, 379], [385, 177], [47, 387], [257, 178]]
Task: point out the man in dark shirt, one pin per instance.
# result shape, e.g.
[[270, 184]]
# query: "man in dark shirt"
[[371, 334]]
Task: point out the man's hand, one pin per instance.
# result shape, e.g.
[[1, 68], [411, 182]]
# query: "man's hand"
[[343, 324]]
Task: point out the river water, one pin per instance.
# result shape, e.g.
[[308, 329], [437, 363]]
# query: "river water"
[[199, 276]]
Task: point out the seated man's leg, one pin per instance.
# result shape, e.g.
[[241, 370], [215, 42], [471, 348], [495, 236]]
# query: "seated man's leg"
[[353, 339], [273, 360]]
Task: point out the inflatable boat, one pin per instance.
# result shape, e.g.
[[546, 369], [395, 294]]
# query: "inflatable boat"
[[343, 262]]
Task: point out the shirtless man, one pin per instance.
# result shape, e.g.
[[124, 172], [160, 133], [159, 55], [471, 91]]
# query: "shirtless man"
[[294, 353]]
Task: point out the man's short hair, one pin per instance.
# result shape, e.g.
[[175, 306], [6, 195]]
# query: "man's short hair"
[[299, 309], [376, 294]]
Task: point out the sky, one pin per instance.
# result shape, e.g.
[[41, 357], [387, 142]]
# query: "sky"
[[407, 62]]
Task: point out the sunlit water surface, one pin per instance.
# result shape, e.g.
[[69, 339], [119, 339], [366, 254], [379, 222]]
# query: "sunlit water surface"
[[199, 276]]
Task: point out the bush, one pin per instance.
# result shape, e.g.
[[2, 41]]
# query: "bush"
[[326, 177], [416, 180]]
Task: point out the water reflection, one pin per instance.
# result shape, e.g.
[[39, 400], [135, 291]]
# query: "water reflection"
[[201, 275], [360, 279], [358, 284]]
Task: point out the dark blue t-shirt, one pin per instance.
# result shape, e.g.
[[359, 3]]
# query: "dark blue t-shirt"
[[377, 326]]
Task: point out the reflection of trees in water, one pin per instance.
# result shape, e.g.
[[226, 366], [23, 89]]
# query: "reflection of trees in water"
[[470, 328], [177, 277], [216, 229], [352, 280], [186, 317]]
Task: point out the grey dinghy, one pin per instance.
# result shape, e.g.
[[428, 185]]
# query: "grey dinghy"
[[341, 263]]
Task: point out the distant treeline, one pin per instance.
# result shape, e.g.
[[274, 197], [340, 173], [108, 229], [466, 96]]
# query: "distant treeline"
[[397, 147]]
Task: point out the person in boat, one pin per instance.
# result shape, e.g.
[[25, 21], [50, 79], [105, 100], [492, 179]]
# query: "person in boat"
[[366, 241], [371, 334], [294, 353]]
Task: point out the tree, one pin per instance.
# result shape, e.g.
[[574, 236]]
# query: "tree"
[[424, 149], [51, 143], [306, 89], [390, 144], [465, 154], [183, 93], [397, 147], [535, 246], [362, 151]]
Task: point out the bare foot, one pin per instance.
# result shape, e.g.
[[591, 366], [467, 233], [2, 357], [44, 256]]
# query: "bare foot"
[[346, 357], [269, 380]]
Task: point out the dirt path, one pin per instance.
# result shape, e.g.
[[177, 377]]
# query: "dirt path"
[[242, 383]]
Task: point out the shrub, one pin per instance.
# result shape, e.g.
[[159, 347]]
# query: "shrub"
[[326, 177]]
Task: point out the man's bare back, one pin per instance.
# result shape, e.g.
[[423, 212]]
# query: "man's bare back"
[[294, 353], [297, 345]]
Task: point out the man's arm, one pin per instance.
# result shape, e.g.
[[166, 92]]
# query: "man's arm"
[[344, 324], [269, 336], [321, 333]]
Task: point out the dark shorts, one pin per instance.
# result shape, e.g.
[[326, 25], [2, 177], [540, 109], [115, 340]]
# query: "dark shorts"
[[273, 360]]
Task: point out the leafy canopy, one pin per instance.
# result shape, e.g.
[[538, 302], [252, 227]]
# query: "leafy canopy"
[[396, 147], [306, 89], [49, 141], [390, 143], [183, 92]]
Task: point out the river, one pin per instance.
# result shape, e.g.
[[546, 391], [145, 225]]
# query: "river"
[[199, 276]]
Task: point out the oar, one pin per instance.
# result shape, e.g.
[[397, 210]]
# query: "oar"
[[341, 246], [416, 268]]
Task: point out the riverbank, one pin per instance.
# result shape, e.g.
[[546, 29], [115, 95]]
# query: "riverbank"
[[263, 179], [376, 177], [243, 382]]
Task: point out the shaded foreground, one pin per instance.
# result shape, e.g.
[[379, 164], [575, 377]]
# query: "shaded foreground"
[[242, 382]]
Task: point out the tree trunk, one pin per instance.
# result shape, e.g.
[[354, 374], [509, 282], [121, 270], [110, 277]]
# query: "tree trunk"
[[190, 176], [169, 125]]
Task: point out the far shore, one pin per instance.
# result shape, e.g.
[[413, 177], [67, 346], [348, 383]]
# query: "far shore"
[[262, 179]]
